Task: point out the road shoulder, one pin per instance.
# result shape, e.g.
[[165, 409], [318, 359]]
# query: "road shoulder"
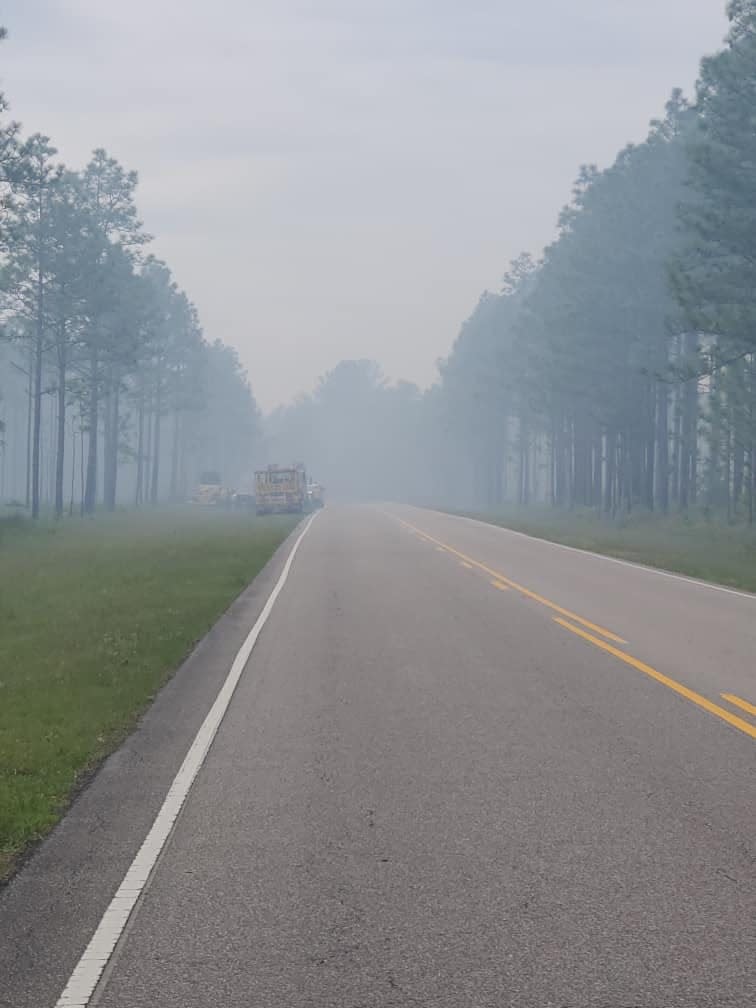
[[50, 909]]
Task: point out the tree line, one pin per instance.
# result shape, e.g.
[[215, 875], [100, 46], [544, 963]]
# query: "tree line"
[[109, 390], [617, 370]]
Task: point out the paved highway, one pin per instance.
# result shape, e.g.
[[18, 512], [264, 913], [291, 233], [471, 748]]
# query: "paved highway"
[[462, 768]]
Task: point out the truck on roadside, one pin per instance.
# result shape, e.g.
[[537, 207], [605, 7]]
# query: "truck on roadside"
[[281, 490], [210, 492]]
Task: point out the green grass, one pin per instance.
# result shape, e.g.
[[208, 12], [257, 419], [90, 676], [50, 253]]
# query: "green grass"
[[94, 616], [696, 546]]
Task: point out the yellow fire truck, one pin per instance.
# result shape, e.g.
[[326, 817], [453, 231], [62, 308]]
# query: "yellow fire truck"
[[211, 492], [281, 490]]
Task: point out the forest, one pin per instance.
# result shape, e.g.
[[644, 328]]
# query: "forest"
[[110, 393], [613, 371], [617, 370]]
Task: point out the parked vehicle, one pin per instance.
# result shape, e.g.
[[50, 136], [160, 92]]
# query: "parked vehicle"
[[280, 490], [315, 496], [211, 492]]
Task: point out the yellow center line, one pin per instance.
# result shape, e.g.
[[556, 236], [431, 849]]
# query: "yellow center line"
[[672, 684], [496, 575], [500, 586], [738, 702]]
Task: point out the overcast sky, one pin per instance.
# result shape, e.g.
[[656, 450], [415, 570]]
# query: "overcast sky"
[[342, 178]]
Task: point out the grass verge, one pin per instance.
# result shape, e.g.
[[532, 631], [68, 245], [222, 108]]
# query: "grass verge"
[[699, 548], [94, 616]]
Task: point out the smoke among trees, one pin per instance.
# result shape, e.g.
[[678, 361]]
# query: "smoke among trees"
[[109, 390], [617, 371]]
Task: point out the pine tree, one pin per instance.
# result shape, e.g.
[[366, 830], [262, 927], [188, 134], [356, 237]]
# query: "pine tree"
[[715, 279]]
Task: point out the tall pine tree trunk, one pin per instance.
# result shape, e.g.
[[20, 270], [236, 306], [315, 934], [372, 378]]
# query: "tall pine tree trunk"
[[713, 487], [649, 447], [52, 453], [175, 448], [139, 490], [155, 481], [29, 423], [93, 411], [112, 411], [81, 464], [61, 447], [524, 480], [689, 433], [662, 447], [581, 456], [148, 450], [611, 472], [107, 437], [73, 470], [554, 467], [37, 424], [37, 431], [598, 467], [112, 458]]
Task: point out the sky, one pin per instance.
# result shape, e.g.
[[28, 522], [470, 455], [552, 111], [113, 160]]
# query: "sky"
[[334, 179]]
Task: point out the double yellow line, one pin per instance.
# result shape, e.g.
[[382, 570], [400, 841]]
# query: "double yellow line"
[[502, 582], [673, 684], [738, 702]]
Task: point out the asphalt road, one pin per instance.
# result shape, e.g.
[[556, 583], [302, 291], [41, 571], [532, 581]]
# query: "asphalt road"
[[429, 792]]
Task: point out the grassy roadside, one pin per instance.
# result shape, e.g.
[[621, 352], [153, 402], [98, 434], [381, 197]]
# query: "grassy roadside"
[[694, 546], [94, 615]]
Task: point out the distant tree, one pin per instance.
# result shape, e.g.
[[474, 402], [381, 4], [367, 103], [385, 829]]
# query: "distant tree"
[[69, 265], [226, 433], [29, 265], [117, 233], [108, 333], [359, 434]]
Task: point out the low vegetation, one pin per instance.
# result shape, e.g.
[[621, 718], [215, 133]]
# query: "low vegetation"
[[94, 616], [697, 546]]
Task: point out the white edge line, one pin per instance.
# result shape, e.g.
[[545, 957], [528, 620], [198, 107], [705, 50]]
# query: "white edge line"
[[598, 556], [86, 976]]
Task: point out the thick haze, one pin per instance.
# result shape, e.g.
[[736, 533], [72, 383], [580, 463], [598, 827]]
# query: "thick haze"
[[342, 178]]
